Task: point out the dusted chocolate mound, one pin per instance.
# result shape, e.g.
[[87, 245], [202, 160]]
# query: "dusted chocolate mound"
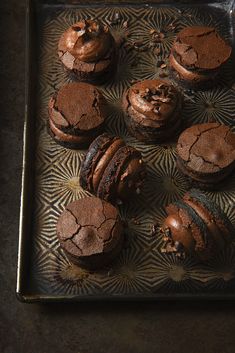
[[197, 55], [76, 115], [111, 170], [196, 226], [91, 233], [87, 50], [153, 110], [206, 153]]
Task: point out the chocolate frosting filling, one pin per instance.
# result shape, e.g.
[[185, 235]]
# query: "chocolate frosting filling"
[[104, 161], [87, 41], [152, 103]]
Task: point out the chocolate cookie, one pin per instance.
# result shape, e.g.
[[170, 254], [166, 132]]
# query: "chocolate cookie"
[[88, 51], [153, 110], [196, 225], [91, 233], [197, 56], [206, 154], [111, 170], [76, 115]]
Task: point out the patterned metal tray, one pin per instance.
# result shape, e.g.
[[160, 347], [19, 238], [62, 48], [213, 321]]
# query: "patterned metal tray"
[[51, 172]]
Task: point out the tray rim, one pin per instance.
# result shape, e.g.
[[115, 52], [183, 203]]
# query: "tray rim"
[[22, 223], [21, 294]]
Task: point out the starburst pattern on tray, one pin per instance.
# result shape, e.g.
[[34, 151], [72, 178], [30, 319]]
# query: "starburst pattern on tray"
[[137, 224], [45, 228], [225, 195], [130, 274], [159, 30], [115, 123], [127, 71], [220, 271], [216, 105], [61, 181], [176, 275], [164, 184], [149, 66], [65, 278]]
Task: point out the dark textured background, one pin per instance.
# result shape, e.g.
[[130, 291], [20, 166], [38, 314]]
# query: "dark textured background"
[[81, 328]]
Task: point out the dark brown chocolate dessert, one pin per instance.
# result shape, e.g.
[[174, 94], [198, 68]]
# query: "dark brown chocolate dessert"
[[206, 153], [76, 115], [111, 170], [88, 51], [196, 225], [91, 233], [153, 110], [197, 56]]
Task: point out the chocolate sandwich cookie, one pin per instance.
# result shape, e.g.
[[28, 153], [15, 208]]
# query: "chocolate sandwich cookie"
[[206, 154], [153, 109], [76, 115], [197, 56], [111, 170], [88, 51], [91, 232], [196, 225]]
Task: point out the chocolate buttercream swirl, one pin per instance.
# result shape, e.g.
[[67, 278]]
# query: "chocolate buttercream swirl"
[[155, 99], [88, 40]]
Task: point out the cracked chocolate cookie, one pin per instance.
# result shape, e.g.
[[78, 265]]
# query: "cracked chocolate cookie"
[[206, 154], [91, 232], [153, 109], [197, 56], [111, 170], [196, 225], [76, 115], [88, 51]]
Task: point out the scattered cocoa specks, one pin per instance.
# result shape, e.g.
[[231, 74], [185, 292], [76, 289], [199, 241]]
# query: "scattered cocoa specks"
[[125, 24], [160, 63], [157, 51], [138, 43], [151, 45], [135, 61], [172, 26], [154, 229], [163, 74], [144, 48], [163, 66], [115, 19], [135, 221]]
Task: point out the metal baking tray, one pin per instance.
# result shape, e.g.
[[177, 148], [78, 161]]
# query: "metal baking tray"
[[51, 172]]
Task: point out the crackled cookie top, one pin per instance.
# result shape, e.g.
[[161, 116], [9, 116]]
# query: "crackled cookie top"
[[207, 148], [78, 106], [89, 226], [201, 47]]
